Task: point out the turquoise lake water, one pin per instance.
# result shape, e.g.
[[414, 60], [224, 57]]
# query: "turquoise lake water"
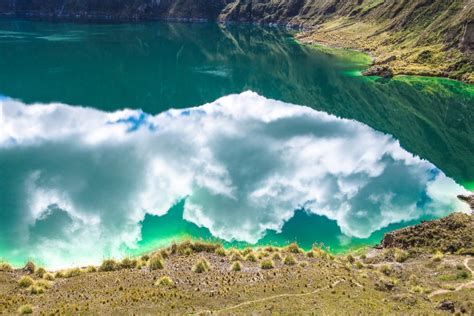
[[339, 159]]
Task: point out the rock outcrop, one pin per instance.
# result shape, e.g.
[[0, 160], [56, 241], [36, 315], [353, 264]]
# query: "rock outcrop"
[[381, 71], [449, 234], [467, 40]]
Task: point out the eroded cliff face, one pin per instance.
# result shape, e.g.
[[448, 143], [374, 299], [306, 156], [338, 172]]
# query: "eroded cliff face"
[[114, 9]]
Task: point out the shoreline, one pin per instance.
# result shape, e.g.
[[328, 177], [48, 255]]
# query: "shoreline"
[[302, 40], [304, 35], [427, 268], [229, 247]]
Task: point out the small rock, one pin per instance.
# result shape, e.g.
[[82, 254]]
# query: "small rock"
[[446, 306], [382, 71]]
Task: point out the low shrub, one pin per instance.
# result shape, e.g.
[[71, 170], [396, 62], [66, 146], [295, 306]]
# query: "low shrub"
[[5, 267], [459, 275], [267, 264], [350, 258], [289, 260], [72, 273], [276, 256], [183, 248], [201, 266], [59, 274], [310, 254], [236, 266], [236, 256], [270, 249], [462, 275], [220, 252], [385, 269], [25, 309], [44, 284], [438, 256], [40, 272], [294, 248], [164, 281], [202, 246], [25, 281], [108, 265], [418, 289], [91, 269], [156, 263], [246, 251], [251, 257], [35, 290], [400, 255], [320, 253], [128, 263], [164, 253], [48, 276], [196, 246]]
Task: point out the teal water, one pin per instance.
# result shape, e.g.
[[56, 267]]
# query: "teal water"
[[52, 185]]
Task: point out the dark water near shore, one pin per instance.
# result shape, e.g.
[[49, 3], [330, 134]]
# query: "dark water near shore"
[[158, 66]]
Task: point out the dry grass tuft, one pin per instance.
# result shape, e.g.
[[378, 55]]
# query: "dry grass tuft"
[[289, 260], [164, 281], [25, 281], [25, 309], [267, 264], [236, 266], [202, 266], [108, 265], [156, 263]]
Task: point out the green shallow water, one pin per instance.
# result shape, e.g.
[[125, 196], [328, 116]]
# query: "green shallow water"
[[158, 66], [304, 228]]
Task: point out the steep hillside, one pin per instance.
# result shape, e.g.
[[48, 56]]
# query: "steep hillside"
[[427, 37], [410, 37]]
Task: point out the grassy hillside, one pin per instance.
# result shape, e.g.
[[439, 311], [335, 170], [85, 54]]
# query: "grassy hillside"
[[198, 278], [421, 38]]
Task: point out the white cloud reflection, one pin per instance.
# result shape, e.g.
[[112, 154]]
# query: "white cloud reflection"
[[76, 182]]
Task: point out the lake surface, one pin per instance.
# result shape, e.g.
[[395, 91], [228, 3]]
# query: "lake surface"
[[339, 159]]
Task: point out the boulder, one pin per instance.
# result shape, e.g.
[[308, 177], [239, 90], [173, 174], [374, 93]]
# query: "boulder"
[[381, 71], [446, 306]]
